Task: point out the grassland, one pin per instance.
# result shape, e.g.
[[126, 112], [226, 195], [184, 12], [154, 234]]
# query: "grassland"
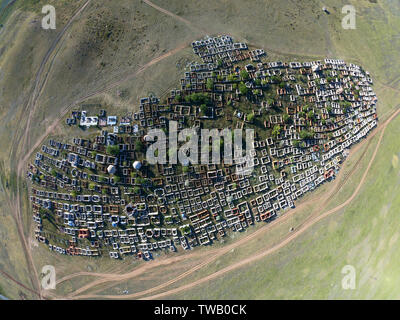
[[364, 234], [72, 73], [86, 63]]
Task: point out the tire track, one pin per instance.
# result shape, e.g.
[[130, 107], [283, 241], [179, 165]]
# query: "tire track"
[[293, 236], [176, 17], [258, 256], [112, 276], [31, 105]]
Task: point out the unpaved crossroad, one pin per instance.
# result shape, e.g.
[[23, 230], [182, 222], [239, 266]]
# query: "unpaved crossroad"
[[256, 257], [23, 142], [213, 255], [40, 82]]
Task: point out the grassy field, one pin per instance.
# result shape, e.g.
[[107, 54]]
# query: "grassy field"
[[83, 64], [265, 240], [365, 235], [86, 65]]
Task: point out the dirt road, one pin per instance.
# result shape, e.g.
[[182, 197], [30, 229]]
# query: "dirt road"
[[217, 253], [31, 106], [14, 200], [185, 21], [136, 272], [213, 255], [21, 164], [261, 254]]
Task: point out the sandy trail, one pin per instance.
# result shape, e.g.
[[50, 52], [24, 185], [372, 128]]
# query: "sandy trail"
[[16, 209], [214, 254], [112, 277], [22, 162], [185, 21], [261, 254], [219, 252], [114, 84], [32, 104]]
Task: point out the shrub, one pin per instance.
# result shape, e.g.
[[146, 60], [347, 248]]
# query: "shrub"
[[306, 134], [210, 84], [276, 131], [276, 79], [53, 172], [243, 89], [136, 190], [286, 118], [177, 98], [198, 98], [113, 150], [231, 77], [244, 75], [203, 109], [117, 179], [139, 146]]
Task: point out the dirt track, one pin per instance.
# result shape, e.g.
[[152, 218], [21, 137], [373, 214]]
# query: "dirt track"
[[217, 253], [258, 256], [113, 277], [24, 139], [21, 164], [185, 21]]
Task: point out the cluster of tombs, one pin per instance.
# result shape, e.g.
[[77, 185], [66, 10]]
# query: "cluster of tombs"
[[114, 202]]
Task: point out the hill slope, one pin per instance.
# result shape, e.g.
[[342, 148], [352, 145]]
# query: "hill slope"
[[40, 80]]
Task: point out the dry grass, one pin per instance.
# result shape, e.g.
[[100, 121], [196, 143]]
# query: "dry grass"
[[111, 41]]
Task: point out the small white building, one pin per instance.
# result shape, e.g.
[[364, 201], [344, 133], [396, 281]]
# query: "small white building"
[[137, 165], [111, 169]]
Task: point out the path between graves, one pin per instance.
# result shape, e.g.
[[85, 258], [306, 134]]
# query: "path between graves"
[[298, 231], [49, 129], [106, 277], [22, 162], [31, 105]]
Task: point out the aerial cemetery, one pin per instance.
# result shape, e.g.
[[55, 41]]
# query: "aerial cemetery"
[[100, 194]]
